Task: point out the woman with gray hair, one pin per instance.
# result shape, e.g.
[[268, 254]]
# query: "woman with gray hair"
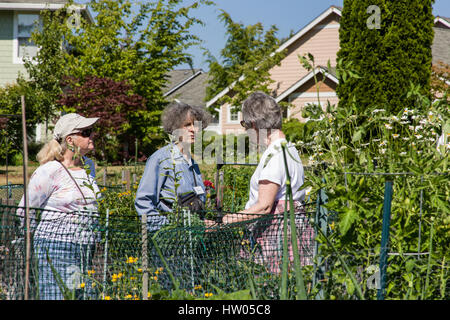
[[171, 174], [262, 116]]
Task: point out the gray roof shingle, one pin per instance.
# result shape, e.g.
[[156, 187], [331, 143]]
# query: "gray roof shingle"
[[441, 45], [192, 92]]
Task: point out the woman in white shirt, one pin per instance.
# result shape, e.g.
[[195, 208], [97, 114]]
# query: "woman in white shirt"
[[67, 194], [263, 116]]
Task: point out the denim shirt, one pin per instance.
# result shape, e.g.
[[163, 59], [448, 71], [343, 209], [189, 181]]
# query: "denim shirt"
[[157, 184]]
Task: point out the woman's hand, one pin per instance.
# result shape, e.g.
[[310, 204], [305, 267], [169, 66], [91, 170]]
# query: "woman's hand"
[[210, 223]]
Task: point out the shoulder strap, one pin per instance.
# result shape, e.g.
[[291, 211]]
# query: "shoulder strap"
[[79, 189]]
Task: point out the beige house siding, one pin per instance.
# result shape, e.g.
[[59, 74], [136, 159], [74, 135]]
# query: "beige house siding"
[[227, 127], [307, 94], [322, 42]]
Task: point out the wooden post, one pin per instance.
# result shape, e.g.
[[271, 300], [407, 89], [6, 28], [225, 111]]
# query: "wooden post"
[[105, 172], [126, 178], [26, 204]]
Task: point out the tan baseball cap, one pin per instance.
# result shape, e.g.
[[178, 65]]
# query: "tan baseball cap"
[[71, 123]]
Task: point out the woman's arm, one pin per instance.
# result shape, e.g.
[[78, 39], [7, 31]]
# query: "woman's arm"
[[267, 193]]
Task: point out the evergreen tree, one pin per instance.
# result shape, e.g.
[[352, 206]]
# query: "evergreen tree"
[[246, 59], [389, 45]]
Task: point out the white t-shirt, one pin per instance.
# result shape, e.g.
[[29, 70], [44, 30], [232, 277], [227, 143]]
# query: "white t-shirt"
[[271, 167]]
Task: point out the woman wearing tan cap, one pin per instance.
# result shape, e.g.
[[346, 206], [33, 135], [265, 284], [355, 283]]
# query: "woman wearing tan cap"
[[64, 187]]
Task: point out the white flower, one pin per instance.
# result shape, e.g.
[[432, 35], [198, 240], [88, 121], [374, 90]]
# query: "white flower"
[[395, 135], [378, 110], [383, 143], [405, 138], [403, 153], [383, 151], [394, 118], [388, 126], [418, 128], [418, 136]]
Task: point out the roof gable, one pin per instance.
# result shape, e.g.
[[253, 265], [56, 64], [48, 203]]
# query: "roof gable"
[[331, 10], [318, 70], [187, 85]]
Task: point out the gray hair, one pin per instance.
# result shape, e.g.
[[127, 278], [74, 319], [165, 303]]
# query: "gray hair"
[[176, 113], [262, 110]]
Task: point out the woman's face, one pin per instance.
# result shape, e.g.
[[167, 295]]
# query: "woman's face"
[[188, 130], [83, 141]]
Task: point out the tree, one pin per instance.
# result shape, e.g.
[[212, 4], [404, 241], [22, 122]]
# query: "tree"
[[248, 56], [117, 107], [390, 57], [121, 45]]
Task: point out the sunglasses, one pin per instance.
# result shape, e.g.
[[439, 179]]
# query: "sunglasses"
[[86, 133], [246, 125]]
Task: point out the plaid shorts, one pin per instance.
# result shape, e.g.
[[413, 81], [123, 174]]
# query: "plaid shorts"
[[63, 266]]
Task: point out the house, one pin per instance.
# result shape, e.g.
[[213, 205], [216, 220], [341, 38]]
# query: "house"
[[296, 85], [17, 20], [189, 86]]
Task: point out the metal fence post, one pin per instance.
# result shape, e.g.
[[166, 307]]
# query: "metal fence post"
[[144, 257], [385, 238], [320, 221], [105, 258]]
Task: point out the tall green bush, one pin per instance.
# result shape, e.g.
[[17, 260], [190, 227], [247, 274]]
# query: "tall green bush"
[[390, 56]]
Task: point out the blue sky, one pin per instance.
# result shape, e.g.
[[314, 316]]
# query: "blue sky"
[[287, 15]]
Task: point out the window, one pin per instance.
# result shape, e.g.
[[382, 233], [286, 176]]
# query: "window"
[[233, 115], [23, 46]]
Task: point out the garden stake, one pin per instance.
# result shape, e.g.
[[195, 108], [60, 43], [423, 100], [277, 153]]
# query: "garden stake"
[[427, 278], [191, 258], [25, 187], [321, 220], [385, 238]]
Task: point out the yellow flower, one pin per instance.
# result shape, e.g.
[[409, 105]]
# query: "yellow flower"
[[107, 298], [207, 295], [128, 296], [91, 272], [155, 278], [139, 270], [131, 260], [149, 295], [82, 285], [197, 287], [133, 278], [332, 226]]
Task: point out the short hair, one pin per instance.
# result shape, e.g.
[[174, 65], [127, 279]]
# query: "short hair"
[[176, 113], [262, 110]]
